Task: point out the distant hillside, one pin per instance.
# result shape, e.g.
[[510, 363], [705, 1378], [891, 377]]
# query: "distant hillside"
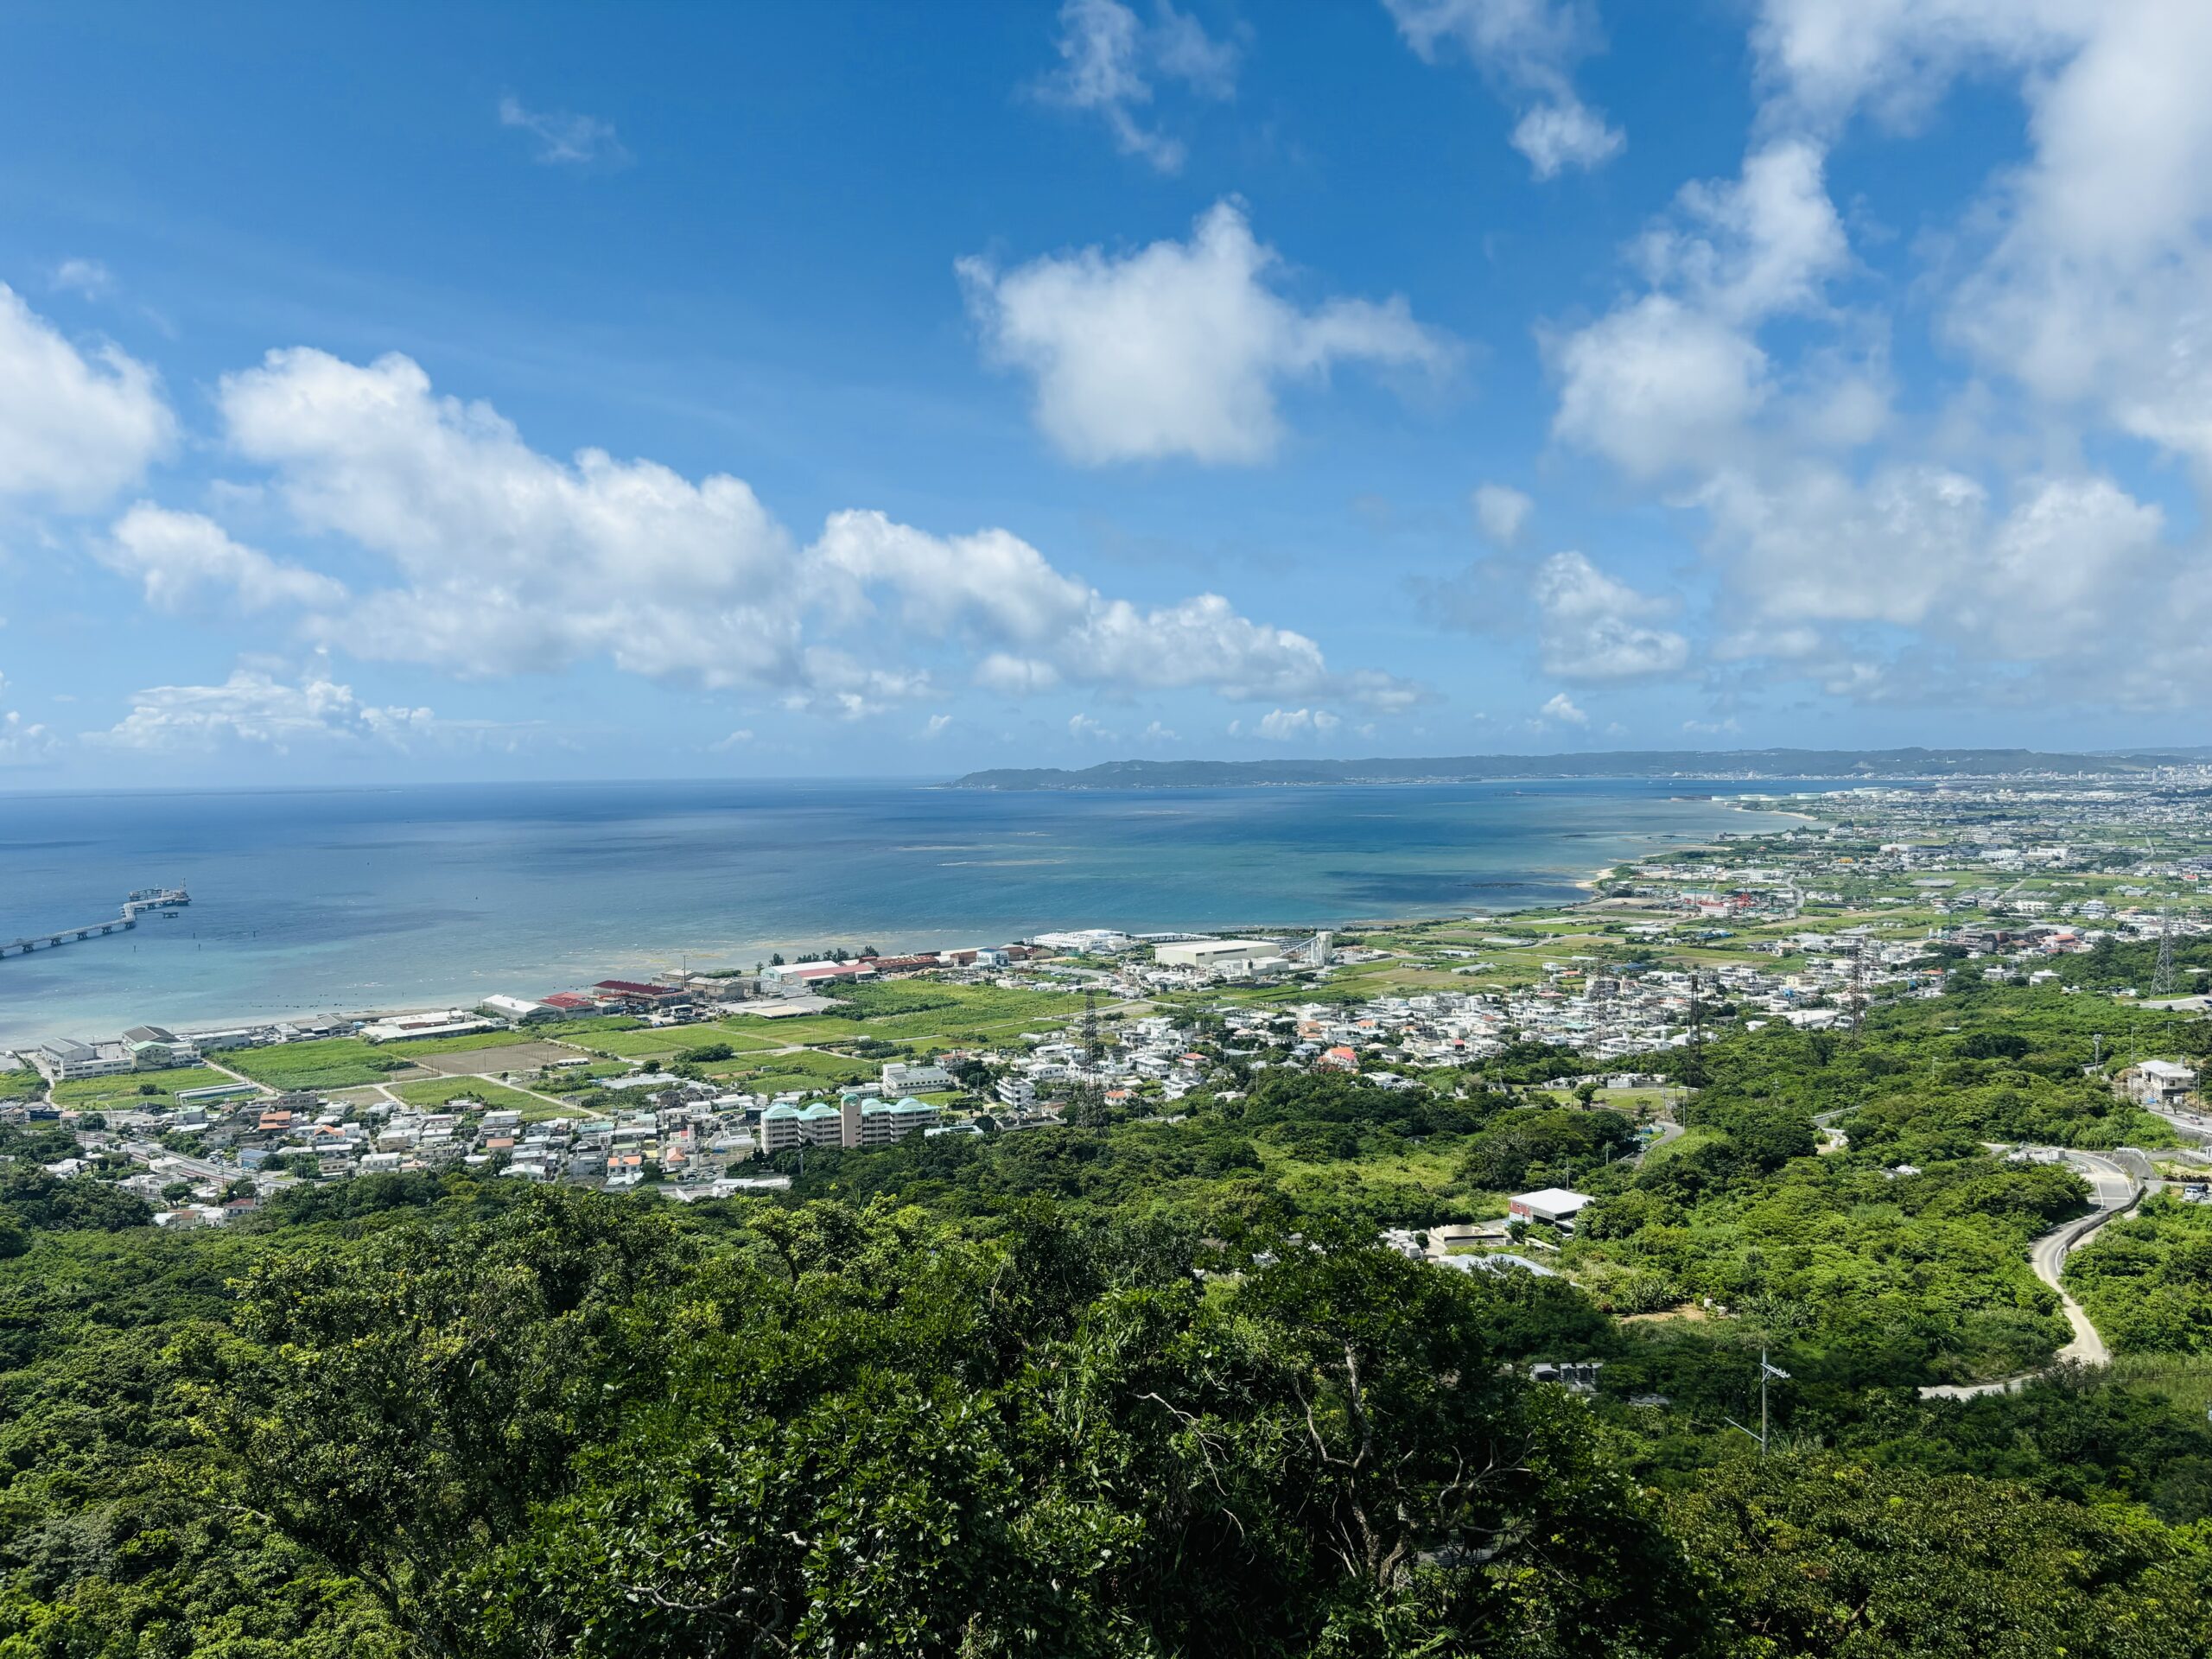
[[1660, 763]]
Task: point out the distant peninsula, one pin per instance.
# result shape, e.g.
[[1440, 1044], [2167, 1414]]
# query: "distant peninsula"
[[1907, 763]]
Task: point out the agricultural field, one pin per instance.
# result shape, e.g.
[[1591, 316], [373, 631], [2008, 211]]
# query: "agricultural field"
[[508, 1056], [664, 1042], [932, 1013], [336, 1063], [577, 1079], [496, 1096], [21, 1085], [147, 1089], [466, 1042], [584, 1030]]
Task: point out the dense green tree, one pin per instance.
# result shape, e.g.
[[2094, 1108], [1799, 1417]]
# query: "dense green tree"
[[1511, 1145], [1811, 1557]]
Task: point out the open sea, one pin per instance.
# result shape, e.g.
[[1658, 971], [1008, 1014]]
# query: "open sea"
[[350, 899]]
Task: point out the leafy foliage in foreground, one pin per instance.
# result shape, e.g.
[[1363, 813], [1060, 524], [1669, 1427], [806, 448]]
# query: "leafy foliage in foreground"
[[568, 1428]]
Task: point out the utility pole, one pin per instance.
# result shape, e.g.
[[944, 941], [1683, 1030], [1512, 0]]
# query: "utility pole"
[[1091, 1027], [1694, 1062], [1766, 1371]]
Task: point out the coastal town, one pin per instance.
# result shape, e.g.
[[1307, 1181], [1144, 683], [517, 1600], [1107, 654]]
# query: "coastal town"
[[708, 1085]]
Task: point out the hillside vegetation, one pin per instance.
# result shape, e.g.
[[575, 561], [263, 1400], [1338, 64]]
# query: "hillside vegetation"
[[1136, 1388]]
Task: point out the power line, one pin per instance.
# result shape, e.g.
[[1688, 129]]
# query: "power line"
[[1766, 1372]]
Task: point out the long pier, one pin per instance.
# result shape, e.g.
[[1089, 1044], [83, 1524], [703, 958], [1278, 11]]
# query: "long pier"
[[67, 936], [167, 899]]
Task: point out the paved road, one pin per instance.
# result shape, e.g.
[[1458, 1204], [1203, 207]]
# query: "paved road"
[[2195, 1127], [2113, 1189]]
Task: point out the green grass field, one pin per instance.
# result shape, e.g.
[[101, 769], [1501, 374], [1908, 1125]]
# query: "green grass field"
[[21, 1085], [91, 1094], [806, 1069], [2186, 1379], [336, 1063], [952, 1011], [663, 1042], [461, 1045], [574, 1080], [582, 1031], [497, 1096], [1688, 1141]]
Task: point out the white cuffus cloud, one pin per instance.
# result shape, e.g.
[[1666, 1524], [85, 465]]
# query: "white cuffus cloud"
[[1671, 383], [90, 277], [1821, 60], [509, 561], [181, 557], [1756, 245], [1562, 710], [22, 741], [1291, 724], [254, 706], [2044, 581], [1179, 348], [1667, 381], [1527, 49], [1591, 626], [1657, 385], [565, 139], [1110, 57], [1045, 629], [2059, 557], [2094, 297], [1500, 513], [74, 428], [2091, 291]]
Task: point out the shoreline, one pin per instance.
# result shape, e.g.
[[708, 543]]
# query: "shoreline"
[[35, 1027]]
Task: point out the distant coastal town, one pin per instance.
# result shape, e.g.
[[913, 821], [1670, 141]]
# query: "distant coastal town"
[[709, 1083]]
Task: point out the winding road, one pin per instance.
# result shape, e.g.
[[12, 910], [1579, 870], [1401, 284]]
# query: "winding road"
[[2114, 1191]]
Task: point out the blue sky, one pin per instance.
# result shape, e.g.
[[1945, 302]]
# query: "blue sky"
[[462, 391]]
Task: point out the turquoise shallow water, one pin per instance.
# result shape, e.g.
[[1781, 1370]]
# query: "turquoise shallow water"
[[321, 900]]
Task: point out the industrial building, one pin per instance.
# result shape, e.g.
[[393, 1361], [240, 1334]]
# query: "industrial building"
[[1216, 956]]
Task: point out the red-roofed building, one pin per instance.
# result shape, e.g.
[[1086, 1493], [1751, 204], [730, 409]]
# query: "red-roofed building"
[[803, 976]]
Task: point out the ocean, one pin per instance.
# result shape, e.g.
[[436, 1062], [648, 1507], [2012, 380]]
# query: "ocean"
[[349, 899]]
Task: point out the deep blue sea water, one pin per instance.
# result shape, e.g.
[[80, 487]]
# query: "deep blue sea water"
[[316, 901]]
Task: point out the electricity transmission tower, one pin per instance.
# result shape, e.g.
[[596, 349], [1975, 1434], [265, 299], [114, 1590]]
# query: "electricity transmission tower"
[[2162, 982], [1090, 1046]]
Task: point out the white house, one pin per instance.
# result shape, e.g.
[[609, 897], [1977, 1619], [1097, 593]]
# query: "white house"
[[1554, 1204], [915, 1077]]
